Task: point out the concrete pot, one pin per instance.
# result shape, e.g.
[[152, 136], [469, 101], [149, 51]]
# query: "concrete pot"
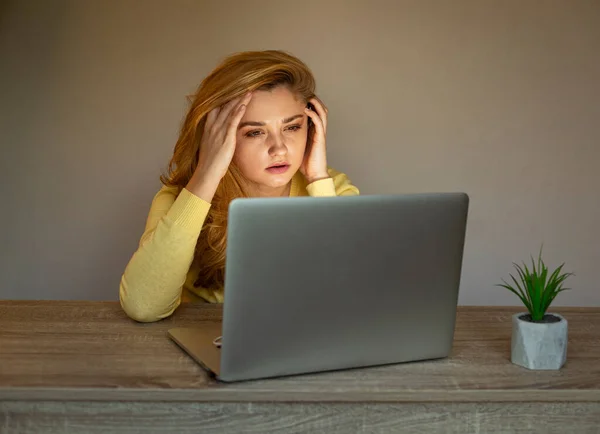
[[539, 345]]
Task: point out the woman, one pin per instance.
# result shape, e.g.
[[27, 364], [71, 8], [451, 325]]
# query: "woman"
[[254, 129]]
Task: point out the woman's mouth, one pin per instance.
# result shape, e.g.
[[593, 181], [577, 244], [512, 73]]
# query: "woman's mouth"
[[277, 169]]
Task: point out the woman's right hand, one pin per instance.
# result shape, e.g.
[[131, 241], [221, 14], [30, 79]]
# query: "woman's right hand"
[[217, 147]]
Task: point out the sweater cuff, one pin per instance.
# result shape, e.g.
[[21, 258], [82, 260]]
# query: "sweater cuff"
[[189, 211], [322, 187]]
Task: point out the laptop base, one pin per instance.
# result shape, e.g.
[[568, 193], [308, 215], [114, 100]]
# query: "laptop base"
[[198, 343]]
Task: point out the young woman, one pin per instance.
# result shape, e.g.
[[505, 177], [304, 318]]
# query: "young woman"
[[254, 129]]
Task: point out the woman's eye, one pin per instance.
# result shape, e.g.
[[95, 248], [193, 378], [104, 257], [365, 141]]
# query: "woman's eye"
[[253, 133], [257, 133]]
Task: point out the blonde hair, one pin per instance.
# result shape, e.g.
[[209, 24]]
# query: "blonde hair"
[[233, 77]]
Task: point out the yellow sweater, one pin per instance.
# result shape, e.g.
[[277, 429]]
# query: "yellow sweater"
[[160, 274]]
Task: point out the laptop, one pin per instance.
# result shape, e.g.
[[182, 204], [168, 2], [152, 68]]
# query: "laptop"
[[316, 284]]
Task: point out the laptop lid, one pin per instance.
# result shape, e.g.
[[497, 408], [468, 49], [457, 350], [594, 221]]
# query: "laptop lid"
[[316, 284]]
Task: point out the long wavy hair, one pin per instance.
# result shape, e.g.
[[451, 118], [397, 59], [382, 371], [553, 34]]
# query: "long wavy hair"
[[233, 77]]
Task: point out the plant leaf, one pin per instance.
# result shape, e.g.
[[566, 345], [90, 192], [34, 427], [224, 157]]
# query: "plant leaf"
[[511, 289], [522, 293], [551, 288], [524, 290], [532, 290], [543, 274]]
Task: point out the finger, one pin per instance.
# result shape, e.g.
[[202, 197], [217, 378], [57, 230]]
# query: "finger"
[[224, 113], [321, 110], [229, 107], [317, 121], [234, 120], [211, 117]]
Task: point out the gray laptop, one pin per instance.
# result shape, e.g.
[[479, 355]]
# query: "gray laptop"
[[330, 283]]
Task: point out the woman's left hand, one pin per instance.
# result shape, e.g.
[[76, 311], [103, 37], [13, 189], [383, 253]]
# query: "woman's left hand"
[[314, 166]]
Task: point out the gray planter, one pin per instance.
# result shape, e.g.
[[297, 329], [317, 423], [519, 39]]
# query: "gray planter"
[[539, 345]]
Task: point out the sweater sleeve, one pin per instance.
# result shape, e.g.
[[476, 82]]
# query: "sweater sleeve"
[[338, 184], [152, 282]]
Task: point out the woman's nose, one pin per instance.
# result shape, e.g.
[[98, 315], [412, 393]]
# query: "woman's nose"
[[277, 145]]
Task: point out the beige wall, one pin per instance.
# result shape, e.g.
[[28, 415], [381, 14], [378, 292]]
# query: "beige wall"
[[500, 99]]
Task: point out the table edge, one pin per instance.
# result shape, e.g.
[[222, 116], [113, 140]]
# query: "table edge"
[[225, 394]]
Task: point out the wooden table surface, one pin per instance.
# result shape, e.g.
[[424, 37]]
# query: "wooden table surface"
[[65, 358]]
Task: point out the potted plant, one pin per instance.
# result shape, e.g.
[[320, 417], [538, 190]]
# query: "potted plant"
[[539, 339]]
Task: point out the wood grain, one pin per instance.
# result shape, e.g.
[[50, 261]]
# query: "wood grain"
[[95, 352], [332, 418]]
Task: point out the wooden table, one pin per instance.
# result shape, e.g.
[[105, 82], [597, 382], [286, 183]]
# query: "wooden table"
[[85, 367]]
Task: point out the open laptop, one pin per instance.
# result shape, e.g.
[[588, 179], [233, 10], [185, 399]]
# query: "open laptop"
[[330, 283]]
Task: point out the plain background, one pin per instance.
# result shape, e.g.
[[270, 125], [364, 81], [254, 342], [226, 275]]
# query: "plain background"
[[500, 99]]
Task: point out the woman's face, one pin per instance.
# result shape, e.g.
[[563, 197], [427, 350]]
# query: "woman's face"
[[271, 139]]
